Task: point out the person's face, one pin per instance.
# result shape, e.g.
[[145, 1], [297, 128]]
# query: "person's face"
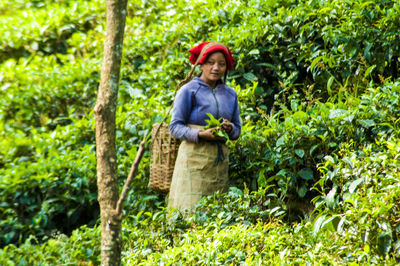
[[213, 68]]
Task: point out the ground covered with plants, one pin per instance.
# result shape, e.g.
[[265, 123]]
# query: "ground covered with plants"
[[314, 177]]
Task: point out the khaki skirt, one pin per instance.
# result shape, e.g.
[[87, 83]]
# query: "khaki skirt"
[[196, 173]]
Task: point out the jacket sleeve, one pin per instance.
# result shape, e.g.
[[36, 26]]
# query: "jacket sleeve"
[[236, 122], [180, 116]]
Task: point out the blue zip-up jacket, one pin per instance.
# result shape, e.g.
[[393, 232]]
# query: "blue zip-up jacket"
[[194, 100]]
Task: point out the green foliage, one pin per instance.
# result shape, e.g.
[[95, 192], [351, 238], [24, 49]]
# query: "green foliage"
[[366, 177], [44, 27], [222, 229], [43, 182], [318, 89], [81, 248], [212, 122], [217, 125], [49, 97], [295, 140]]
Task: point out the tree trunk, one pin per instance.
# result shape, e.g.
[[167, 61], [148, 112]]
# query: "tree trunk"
[[105, 111]]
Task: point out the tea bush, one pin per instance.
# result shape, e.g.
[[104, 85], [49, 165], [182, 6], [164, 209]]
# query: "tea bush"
[[206, 236], [315, 169], [296, 139], [366, 177], [32, 98], [48, 183], [43, 27], [82, 246]]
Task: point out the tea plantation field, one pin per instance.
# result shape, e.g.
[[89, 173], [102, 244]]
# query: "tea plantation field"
[[315, 175]]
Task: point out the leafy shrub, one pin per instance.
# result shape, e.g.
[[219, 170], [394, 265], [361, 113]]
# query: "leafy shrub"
[[366, 177], [313, 78], [221, 231], [47, 98], [296, 140], [45, 28], [48, 187], [81, 248]]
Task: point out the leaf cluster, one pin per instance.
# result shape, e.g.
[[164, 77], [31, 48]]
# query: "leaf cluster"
[[319, 97], [217, 125]]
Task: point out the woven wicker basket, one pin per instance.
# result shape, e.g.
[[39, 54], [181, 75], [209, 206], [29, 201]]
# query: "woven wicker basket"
[[163, 152]]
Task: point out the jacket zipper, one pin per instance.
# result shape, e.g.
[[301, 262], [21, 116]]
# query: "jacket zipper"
[[215, 98]]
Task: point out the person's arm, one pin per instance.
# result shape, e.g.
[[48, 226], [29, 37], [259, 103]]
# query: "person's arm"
[[236, 124], [180, 116]]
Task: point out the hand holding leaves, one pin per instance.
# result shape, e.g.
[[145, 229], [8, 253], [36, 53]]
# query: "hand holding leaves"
[[220, 127], [226, 126]]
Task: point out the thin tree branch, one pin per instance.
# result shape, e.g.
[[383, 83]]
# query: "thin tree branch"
[[131, 175]]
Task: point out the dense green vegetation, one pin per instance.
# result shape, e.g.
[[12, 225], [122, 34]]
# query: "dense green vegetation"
[[315, 174]]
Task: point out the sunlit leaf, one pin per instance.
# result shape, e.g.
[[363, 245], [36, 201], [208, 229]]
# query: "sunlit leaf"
[[353, 186], [366, 123], [329, 84], [337, 113], [317, 225], [330, 198]]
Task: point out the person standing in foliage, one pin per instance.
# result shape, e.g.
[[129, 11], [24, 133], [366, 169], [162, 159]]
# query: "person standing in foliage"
[[201, 166]]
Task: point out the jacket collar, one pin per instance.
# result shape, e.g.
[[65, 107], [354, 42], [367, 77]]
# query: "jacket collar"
[[203, 83]]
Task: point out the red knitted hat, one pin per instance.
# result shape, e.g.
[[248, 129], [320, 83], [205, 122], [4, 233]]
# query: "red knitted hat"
[[213, 47]]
